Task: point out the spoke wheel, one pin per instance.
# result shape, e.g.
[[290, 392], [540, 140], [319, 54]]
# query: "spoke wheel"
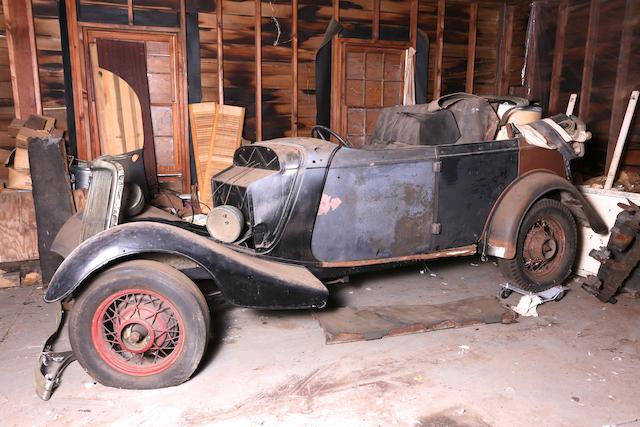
[[546, 248], [137, 332], [139, 325]]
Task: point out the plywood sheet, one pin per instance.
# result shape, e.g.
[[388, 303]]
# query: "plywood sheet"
[[18, 239]]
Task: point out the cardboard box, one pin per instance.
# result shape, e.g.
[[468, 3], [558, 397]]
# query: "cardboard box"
[[19, 179]]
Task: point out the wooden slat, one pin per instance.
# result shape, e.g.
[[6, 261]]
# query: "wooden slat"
[[294, 69], [18, 20], [413, 23], [589, 59], [220, 52], [225, 139], [202, 118], [375, 34], [471, 46], [258, 64], [504, 58], [622, 86], [558, 56], [437, 72]]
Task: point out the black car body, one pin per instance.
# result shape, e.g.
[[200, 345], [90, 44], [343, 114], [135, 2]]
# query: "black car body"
[[309, 211]]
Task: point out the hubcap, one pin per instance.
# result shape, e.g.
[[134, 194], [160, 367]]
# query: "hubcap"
[[543, 247], [137, 332]]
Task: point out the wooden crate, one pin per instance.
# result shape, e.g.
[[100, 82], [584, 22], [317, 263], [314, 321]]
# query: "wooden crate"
[[18, 237]]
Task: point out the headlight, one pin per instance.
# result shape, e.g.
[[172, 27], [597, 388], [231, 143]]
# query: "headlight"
[[225, 223]]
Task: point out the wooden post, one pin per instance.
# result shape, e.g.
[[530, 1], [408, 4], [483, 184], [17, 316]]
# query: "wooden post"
[[558, 56], [130, 11], [219, 53], [589, 60], [294, 69], [23, 58], [184, 98], [622, 85], [258, 39], [437, 78], [413, 23], [471, 47], [375, 33], [504, 60], [75, 52]]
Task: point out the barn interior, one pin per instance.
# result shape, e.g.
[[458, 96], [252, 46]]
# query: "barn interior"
[[166, 137]]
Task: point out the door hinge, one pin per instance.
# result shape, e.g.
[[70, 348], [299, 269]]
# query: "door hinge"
[[437, 166], [435, 228]]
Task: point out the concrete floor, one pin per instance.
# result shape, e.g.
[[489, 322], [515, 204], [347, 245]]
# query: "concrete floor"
[[575, 365]]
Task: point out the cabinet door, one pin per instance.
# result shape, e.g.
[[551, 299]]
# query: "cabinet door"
[[134, 98], [369, 77]]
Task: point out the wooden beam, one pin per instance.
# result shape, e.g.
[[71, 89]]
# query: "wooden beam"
[[23, 57], [437, 68], [558, 56], [336, 10], [413, 23], [75, 51], [504, 60], [294, 69], [185, 163], [589, 60], [130, 11], [219, 52], [375, 33], [258, 39], [622, 87], [471, 46]]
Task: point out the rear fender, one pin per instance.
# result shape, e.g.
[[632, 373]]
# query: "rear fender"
[[244, 279], [501, 231]]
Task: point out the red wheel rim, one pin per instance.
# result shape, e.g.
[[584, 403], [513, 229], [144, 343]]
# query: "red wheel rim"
[[544, 248], [137, 332]]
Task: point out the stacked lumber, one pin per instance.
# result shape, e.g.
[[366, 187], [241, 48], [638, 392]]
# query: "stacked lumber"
[[14, 157]]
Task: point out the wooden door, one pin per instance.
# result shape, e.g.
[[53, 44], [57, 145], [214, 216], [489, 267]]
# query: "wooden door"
[[127, 110], [368, 76]]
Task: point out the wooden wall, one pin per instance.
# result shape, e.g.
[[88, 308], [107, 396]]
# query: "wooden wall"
[[6, 92], [475, 46], [290, 32], [592, 48]]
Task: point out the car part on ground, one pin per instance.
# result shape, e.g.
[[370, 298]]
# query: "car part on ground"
[[619, 258]]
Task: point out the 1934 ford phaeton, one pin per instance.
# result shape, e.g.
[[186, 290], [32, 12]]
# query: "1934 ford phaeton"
[[292, 214]]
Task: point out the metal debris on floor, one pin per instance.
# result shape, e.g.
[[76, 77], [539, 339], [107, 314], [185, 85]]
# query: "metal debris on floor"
[[349, 324], [529, 301]]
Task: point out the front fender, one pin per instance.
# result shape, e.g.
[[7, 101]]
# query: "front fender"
[[501, 233], [244, 279]]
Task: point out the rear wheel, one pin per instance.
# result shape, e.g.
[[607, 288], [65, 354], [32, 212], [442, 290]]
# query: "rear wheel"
[[546, 248], [140, 325]]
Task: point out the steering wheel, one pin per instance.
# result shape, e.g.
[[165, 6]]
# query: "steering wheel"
[[318, 132]]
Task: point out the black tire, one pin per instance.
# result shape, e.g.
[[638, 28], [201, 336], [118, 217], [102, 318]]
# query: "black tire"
[[546, 248], [144, 310]]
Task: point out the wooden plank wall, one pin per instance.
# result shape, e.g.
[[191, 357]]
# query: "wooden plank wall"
[[595, 55], [286, 86], [286, 74], [6, 92]]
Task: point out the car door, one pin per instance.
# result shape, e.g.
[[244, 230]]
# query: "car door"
[[376, 204], [472, 178]]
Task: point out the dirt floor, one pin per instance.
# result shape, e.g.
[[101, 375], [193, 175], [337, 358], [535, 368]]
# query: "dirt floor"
[[575, 365]]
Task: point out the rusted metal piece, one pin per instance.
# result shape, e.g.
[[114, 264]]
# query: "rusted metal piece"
[[368, 323], [462, 251], [503, 225], [619, 258], [543, 247]]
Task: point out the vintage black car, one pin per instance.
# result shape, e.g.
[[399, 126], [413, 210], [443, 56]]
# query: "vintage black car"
[[293, 214]]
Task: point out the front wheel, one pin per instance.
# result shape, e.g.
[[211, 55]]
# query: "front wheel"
[[140, 325], [546, 248]]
